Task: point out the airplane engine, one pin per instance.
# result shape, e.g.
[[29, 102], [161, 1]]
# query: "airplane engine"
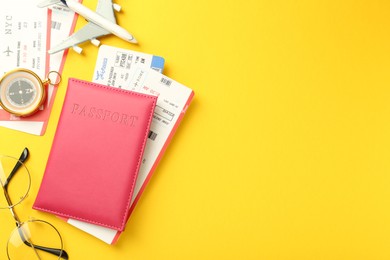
[[77, 49], [117, 7], [95, 42]]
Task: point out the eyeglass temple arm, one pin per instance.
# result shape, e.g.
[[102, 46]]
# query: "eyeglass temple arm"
[[54, 251], [23, 157]]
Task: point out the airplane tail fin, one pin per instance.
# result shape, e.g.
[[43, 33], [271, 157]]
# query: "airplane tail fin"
[[45, 3]]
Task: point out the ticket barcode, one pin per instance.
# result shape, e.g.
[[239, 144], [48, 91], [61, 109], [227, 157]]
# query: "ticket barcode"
[[166, 81], [55, 25], [152, 135]]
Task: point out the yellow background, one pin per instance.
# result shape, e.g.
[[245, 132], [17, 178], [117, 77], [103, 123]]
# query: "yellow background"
[[284, 152]]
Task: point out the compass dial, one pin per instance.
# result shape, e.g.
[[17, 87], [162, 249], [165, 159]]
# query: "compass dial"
[[21, 92]]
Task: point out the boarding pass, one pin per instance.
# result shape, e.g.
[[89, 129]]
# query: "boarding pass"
[[115, 66]]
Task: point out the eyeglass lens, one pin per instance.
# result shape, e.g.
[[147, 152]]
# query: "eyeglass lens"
[[35, 239]]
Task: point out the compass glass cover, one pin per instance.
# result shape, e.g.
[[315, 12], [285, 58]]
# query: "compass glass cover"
[[21, 92]]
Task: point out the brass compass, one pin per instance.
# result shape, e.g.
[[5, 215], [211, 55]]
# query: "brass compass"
[[22, 92]]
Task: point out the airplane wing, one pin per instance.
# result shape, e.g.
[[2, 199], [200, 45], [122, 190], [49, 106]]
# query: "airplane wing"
[[105, 9], [90, 30]]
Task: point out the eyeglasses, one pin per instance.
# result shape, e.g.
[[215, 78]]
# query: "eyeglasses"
[[34, 238]]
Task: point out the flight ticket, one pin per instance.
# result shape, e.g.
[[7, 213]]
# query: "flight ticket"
[[23, 36], [116, 66], [26, 33], [24, 40], [173, 101], [139, 72]]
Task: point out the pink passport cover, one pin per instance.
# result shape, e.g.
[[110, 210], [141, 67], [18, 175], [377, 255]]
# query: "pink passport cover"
[[96, 154]]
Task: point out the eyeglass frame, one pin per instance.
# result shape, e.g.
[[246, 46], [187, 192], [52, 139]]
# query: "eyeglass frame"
[[61, 253]]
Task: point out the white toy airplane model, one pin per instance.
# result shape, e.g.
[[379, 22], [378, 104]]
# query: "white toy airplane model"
[[101, 22]]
